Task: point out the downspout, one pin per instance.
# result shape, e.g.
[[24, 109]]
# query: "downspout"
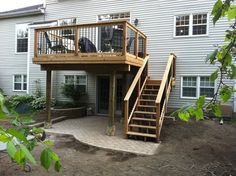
[[28, 62]]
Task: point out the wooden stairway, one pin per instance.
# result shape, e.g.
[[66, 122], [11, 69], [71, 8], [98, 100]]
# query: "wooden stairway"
[[144, 117], [143, 121]]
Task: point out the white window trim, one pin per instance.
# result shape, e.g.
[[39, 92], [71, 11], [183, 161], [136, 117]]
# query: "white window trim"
[[191, 26], [74, 83], [197, 86], [20, 53], [22, 83]]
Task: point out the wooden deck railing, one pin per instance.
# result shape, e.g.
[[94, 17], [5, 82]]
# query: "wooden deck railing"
[[132, 97], [97, 39], [167, 83]]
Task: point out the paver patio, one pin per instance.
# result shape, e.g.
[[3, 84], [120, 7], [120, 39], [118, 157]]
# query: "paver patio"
[[91, 130]]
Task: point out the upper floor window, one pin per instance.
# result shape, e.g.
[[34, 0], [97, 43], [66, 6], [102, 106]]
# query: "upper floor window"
[[19, 83], [67, 21], [21, 38], [191, 25], [114, 16]]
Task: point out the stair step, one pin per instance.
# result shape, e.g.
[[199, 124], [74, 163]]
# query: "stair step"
[[144, 119], [156, 90], [145, 112], [141, 134], [151, 95], [147, 100], [142, 126], [146, 106]]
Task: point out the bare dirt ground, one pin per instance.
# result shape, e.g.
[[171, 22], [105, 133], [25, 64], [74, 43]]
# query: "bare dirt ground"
[[188, 149]]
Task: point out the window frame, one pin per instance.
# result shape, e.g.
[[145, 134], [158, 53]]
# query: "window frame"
[[198, 87], [191, 25], [16, 38], [75, 80], [22, 83]]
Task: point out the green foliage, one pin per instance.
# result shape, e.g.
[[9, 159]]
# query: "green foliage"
[[39, 103], [73, 92], [16, 100], [223, 58], [19, 146], [47, 157]]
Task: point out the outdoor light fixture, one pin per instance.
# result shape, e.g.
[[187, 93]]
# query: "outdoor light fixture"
[[136, 22]]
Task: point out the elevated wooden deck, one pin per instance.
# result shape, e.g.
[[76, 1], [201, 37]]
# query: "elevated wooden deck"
[[116, 42]]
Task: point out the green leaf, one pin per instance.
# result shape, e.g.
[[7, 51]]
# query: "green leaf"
[[185, 116], [214, 75], [200, 102], [233, 73], [20, 157], [5, 138], [46, 158], [212, 57], [231, 12], [27, 153], [216, 110], [217, 11], [199, 114], [57, 166], [227, 59], [37, 130], [226, 93], [17, 134], [49, 143], [11, 149]]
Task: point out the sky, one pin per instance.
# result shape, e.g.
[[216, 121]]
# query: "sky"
[[15, 4]]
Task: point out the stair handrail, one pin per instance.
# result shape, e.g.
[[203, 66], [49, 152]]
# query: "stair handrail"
[[130, 91], [165, 88]]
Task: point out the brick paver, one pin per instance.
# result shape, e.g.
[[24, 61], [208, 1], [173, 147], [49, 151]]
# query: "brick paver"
[[91, 130]]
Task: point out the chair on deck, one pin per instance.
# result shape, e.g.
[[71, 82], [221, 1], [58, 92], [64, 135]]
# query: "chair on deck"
[[86, 46], [55, 45]]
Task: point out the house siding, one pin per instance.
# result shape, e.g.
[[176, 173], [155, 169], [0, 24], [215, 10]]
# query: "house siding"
[[156, 20], [10, 62]]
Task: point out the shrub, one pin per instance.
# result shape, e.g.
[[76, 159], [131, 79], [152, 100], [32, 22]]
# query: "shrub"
[[40, 103], [73, 92], [16, 100]]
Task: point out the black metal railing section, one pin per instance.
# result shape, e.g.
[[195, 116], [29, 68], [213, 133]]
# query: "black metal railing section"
[[100, 38]]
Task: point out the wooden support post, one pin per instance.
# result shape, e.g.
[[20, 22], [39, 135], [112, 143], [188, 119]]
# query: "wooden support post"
[[112, 101], [48, 123]]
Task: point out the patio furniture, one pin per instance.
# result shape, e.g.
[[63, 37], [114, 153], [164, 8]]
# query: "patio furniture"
[[86, 46], [56, 45]]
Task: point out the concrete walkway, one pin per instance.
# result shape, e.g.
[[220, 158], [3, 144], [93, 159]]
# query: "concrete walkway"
[[91, 130]]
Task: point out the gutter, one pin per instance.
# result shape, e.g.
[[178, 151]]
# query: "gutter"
[[23, 13]]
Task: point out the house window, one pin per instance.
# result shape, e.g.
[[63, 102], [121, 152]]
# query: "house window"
[[195, 86], [182, 25], [19, 82], [189, 87], [79, 81], [191, 25], [21, 38], [67, 21], [114, 16], [207, 87]]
